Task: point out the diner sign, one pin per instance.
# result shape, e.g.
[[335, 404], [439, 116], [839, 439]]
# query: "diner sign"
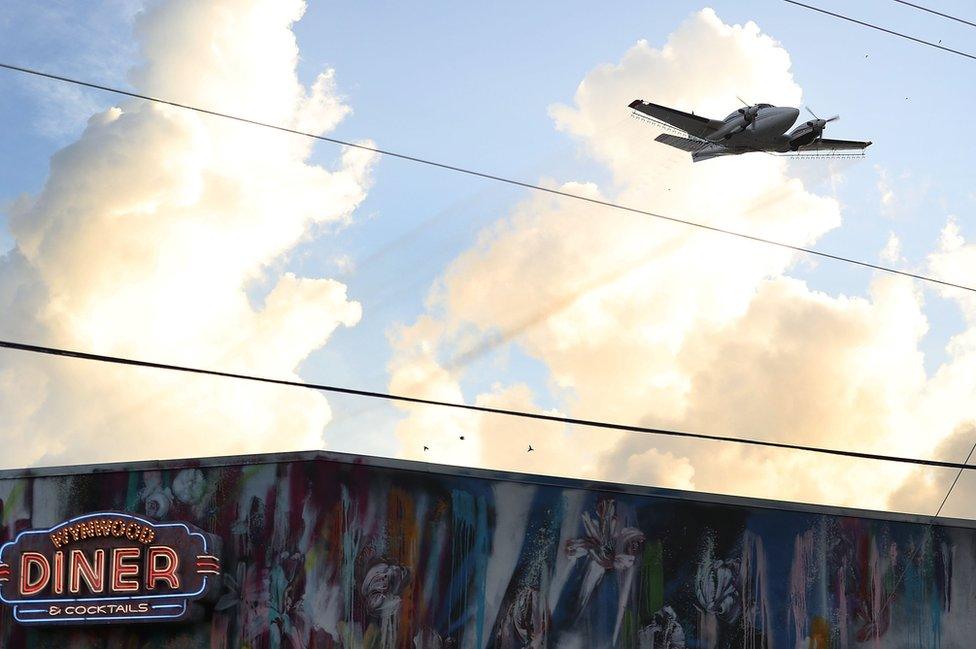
[[109, 567]]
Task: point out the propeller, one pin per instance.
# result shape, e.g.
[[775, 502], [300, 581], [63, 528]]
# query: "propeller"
[[748, 113], [817, 123]]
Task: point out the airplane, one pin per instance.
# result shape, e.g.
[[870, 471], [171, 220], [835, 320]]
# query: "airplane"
[[757, 127]]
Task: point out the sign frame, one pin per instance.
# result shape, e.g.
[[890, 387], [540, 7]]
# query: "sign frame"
[[198, 555]]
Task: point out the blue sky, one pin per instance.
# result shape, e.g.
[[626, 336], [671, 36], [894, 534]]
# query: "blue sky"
[[472, 86]]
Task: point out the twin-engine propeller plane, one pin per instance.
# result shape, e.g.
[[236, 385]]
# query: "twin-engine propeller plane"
[[757, 127]]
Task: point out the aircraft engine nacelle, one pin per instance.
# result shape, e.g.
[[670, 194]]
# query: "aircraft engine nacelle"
[[810, 131], [805, 134]]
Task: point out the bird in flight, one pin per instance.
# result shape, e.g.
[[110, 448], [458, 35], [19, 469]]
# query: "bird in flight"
[[530, 449]]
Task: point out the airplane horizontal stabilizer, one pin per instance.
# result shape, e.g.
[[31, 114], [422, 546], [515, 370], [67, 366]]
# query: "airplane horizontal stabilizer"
[[683, 143]]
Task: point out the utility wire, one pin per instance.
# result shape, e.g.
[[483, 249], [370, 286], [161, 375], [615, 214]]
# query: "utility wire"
[[538, 416], [502, 179], [882, 29], [954, 483], [937, 13], [919, 549]]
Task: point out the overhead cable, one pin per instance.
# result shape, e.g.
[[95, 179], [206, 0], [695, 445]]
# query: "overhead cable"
[[537, 416], [863, 23], [937, 13], [502, 179], [955, 481], [921, 547]]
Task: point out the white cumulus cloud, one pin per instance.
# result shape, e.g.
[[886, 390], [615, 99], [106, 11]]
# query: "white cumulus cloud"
[[642, 321], [146, 236]]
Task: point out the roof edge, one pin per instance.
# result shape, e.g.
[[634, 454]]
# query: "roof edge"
[[473, 472]]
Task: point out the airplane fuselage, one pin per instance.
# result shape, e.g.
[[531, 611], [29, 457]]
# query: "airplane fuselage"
[[767, 131]]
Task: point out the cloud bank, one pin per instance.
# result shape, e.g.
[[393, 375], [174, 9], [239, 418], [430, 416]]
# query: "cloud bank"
[[639, 321], [145, 239]]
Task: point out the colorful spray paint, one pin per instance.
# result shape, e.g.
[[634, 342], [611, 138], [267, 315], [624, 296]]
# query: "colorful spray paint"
[[326, 551]]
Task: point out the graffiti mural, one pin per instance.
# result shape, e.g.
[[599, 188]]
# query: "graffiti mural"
[[330, 551]]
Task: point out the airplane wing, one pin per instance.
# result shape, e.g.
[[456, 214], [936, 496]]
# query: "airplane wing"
[[694, 125], [824, 144]]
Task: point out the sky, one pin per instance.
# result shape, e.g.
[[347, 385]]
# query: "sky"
[[146, 231]]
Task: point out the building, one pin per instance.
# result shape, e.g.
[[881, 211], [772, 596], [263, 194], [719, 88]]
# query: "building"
[[319, 550]]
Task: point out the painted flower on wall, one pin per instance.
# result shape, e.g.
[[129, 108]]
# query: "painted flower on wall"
[[874, 614], [156, 499], [158, 504], [608, 546], [189, 486], [382, 586], [286, 592], [607, 543], [664, 632], [717, 588], [525, 623]]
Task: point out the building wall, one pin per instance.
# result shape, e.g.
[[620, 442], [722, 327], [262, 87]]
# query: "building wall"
[[330, 554]]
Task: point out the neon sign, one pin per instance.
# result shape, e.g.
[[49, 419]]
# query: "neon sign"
[[109, 567]]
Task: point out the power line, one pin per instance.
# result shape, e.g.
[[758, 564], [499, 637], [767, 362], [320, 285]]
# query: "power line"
[[538, 416], [502, 179], [955, 482], [937, 13], [919, 549], [881, 29]]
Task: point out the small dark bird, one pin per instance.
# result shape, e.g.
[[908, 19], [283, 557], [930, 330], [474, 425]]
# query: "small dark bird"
[[426, 449], [530, 449], [462, 438]]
